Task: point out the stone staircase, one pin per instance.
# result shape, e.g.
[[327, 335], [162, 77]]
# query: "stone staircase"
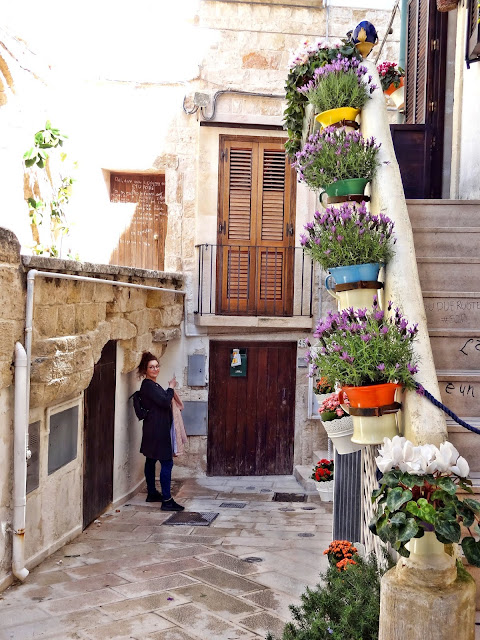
[[447, 245]]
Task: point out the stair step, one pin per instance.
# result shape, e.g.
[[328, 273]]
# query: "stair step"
[[450, 350], [452, 310], [302, 474], [450, 274], [440, 213], [468, 445], [449, 241], [460, 392]]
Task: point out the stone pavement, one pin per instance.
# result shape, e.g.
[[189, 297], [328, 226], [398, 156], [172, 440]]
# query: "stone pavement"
[[129, 576]]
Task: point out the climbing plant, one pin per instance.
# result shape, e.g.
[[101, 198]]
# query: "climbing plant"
[[38, 156], [302, 66]]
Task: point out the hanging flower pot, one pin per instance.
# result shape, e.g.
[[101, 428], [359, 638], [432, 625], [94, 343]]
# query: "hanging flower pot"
[[325, 490], [340, 433], [392, 78], [341, 117], [446, 5], [354, 285], [323, 473], [373, 410], [342, 190]]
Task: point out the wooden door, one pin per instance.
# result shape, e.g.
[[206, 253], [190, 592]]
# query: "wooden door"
[[419, 142], [99, 416], [256, 228], [251, 420], [142, 244]]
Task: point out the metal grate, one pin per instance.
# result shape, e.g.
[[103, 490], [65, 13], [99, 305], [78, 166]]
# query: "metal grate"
[[305, 535], [62, 441], [252, 559], [191, 518], [289, 497], [33, 468], [233, 505]]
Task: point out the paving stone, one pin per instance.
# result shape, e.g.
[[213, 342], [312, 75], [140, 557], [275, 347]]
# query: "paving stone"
[[223, 580], [273, 600], [85, 585], [262, 623], [146, 587], [127, 628], [161, 569], [79, 602], [281, 582], [10, 616], [135, 606], [225, 561], [205, 625], [160, 537], [49, 627], [215, 601], [175, 633]]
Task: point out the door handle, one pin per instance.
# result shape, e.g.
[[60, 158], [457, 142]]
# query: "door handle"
[[284, 396]]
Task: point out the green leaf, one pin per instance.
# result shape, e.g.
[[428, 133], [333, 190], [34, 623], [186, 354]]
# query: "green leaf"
[[30, 162], [398, 496], [403, 551], [447, 485], [40, 163], [411, 480], [474, 505], [408, 531], [392, 478], [398, 519], [471, 549], [422, 510], [466, 514], [448, 530]]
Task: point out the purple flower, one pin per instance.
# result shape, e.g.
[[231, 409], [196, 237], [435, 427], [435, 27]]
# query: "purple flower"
[[381, 366], [412, 368]]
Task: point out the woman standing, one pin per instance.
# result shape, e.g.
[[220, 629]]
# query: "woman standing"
[[156, 439]]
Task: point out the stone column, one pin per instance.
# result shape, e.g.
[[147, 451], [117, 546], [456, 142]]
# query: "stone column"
[[427, 600]]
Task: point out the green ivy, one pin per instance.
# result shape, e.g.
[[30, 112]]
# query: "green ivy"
[[296, 102]]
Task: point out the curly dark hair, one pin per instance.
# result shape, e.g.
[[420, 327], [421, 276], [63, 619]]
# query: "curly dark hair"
[[142, 367]]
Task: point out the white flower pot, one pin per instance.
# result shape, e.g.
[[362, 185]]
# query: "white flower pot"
[[372, 429], [398, 97], [325, 490], [340, 433]]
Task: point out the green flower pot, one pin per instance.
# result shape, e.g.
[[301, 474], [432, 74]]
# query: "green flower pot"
[[344, 188]]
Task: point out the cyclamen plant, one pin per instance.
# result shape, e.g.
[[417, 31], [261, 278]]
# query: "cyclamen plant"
[[332, 154], [418, 494], [390, 74], [348, 235], [323, 471], [362, 347], [339, 84]]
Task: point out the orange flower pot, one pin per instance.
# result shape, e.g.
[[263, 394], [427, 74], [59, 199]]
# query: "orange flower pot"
[[393, 88], [375, 395]]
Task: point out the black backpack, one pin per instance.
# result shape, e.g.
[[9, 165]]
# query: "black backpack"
[[138, 407]]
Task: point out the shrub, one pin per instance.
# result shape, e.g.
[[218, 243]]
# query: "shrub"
[[345, 606]]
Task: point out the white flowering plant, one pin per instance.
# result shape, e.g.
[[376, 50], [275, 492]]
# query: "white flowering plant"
[[418, 493]]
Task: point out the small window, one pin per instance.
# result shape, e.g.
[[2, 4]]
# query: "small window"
[[62, 441], [33, 463], [142, 244]]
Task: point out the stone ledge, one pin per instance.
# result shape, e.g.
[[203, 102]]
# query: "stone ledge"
[[264, 322], [90, 268]]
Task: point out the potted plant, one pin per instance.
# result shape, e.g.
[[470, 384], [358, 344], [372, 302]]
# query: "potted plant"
[[323, 475], [370, 355], [340, 554], [338, 424], [418, 510], [338, 91], [338, 162], [302, 64], [352, 244], [392, 78]]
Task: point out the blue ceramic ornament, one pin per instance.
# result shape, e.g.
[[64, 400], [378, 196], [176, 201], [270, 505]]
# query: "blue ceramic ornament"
[[364, 37]]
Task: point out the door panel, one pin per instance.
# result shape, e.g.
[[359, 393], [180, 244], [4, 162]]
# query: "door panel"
[[251, 419], [99, 417]]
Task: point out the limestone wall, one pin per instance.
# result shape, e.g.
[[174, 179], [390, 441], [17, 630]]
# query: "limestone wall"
[[73, 321]]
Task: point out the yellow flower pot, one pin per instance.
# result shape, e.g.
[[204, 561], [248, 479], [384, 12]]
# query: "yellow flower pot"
[[332, 116]]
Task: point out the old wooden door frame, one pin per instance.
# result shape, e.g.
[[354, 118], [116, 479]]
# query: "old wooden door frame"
[[255, 460]]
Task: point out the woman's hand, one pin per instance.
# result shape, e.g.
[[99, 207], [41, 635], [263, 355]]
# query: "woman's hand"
[[172, 383]]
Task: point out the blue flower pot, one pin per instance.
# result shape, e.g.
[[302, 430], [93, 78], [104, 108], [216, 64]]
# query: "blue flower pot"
[[364, 37], [354, 273]]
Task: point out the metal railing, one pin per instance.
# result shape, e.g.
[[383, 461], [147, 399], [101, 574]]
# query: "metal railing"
[[253, 280]]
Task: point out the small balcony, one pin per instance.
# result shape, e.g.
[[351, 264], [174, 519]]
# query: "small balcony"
[[254, 286]]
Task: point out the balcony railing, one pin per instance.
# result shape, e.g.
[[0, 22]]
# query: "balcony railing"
[[246, 280]]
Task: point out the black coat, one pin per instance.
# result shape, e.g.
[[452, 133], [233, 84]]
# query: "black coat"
[[156, 441]]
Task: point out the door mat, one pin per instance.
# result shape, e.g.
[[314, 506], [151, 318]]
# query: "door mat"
[[233, 505], [191, 518], [289, 497]]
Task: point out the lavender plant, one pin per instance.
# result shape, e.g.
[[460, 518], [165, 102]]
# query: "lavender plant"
[[330, 155], [362, 347], [348, 235], [339, 84]]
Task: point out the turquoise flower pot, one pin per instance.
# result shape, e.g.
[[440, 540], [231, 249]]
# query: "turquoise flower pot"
[[353, 273]]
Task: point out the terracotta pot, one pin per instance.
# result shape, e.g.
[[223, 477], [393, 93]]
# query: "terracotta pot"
[[374, 395], [392, 87]]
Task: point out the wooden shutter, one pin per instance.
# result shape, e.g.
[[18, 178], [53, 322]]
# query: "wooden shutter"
[[142, 244], [255, 240], [417, 58]]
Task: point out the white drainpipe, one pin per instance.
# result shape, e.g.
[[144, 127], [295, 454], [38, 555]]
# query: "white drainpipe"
[[20, 463]]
